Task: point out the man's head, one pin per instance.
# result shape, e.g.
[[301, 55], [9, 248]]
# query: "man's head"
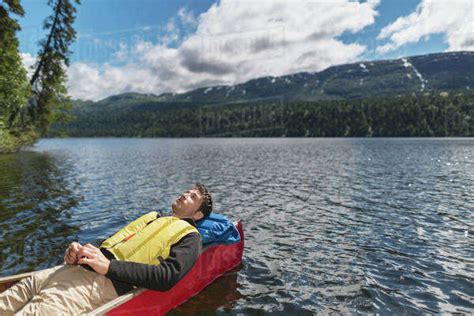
[[195, 203]]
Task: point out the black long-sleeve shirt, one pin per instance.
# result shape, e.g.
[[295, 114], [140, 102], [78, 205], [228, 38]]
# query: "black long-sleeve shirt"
[[183, 255]]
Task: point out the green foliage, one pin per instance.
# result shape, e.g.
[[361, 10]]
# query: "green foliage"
[[14, 87], [12, 141], [28, 108], [408, 115]]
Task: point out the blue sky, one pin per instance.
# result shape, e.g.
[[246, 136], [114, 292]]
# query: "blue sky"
[[155, 46], [110, 22]]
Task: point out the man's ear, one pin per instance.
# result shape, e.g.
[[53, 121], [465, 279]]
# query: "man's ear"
[[198, 215]]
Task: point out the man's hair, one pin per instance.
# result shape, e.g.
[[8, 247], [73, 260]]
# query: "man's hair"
[[206, 205]]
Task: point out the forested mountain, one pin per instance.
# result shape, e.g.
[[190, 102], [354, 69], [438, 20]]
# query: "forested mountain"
[[413, 96], [427, 114]]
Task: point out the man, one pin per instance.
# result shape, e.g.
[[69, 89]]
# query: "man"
[[151, 252]]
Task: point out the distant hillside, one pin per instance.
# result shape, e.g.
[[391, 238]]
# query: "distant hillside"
[[411, 84], [433, 72]]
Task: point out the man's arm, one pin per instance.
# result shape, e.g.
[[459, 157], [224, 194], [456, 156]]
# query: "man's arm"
[[164, 276]]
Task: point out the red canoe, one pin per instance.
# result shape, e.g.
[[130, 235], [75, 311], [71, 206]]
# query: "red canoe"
[[214, 262]]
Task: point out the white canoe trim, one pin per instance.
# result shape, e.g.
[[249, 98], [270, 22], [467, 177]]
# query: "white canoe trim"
[[117, 302], [16, 277]]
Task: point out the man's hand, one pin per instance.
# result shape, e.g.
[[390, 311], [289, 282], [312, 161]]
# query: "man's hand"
[[93, 257], [70, 256]]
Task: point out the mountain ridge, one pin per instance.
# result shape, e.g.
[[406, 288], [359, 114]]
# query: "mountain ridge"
[[421, 73]]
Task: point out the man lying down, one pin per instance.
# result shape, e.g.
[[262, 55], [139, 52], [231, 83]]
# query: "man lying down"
[[151, 252]]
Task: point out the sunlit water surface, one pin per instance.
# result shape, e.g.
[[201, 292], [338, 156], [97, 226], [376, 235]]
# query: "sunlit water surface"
[[332, 225]]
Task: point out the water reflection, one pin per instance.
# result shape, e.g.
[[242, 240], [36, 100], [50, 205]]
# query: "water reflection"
[[35, 202], [221, 295]]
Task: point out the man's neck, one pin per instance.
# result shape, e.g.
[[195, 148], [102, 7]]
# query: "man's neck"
[[181, 217]]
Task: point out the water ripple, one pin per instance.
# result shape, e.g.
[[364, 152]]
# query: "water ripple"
[[332, 225]]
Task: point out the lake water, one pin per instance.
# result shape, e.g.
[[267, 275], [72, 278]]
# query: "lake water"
[[332, 225]]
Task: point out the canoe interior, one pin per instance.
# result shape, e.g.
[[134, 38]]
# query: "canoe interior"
[[8, 281]]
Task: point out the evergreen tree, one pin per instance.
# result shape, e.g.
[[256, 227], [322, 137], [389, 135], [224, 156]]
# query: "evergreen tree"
[[14, 87], [50, 101]]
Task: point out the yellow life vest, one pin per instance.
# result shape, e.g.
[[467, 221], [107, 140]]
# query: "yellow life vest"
[[147, 238]]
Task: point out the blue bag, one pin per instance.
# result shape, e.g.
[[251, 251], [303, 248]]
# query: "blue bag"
[[217, 228]]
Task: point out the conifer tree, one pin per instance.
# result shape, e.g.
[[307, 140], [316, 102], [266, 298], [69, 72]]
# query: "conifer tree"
[[14, 86], [50, 100]]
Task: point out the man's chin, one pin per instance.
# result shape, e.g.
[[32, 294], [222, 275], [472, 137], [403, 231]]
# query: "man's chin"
[[174, 212], [174, 206]]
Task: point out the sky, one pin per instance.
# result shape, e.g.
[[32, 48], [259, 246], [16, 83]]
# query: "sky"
[[157, 46]]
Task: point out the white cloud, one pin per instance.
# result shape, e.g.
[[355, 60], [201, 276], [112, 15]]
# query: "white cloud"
[[28, 61], [186, 17], [454, 18], [234, 41], [122, 53], [88, 83], [171, 26], [172, 35]]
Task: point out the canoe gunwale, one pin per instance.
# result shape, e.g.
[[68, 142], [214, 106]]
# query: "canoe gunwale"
[[9, 281], [16, 277]]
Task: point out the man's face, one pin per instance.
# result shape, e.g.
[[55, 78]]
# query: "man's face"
[[187, 204]]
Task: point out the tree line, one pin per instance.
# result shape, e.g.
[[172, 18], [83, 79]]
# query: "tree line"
[[423, 115]]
